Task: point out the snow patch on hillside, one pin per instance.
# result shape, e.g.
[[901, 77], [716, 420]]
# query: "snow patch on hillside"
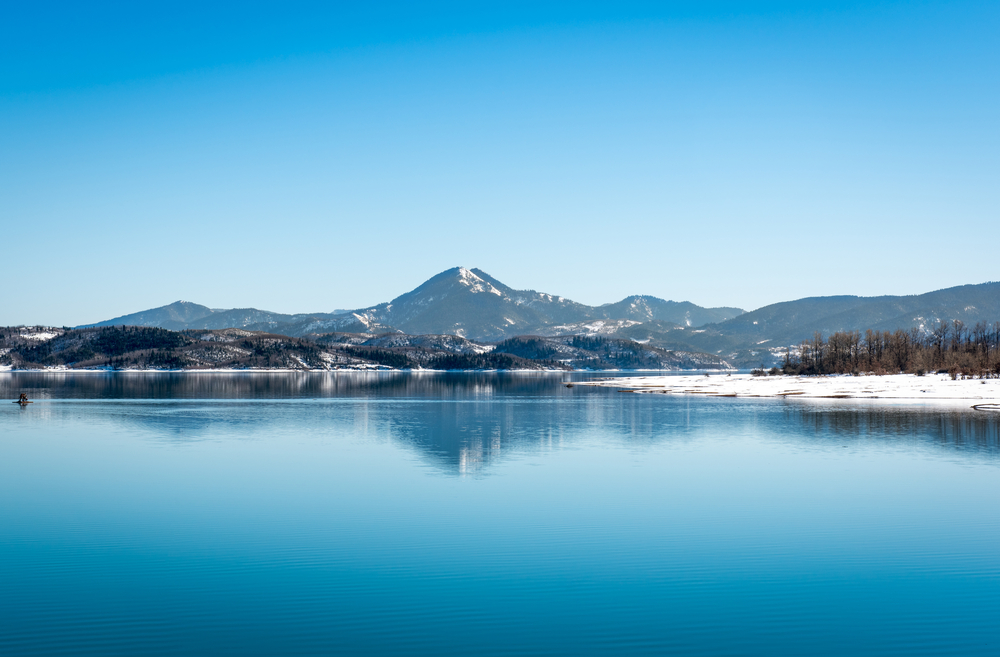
[[41, 336], [475, 283], [596, 327]]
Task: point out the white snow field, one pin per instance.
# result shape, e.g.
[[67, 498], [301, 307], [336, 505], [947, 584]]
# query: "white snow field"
[[930, 387]]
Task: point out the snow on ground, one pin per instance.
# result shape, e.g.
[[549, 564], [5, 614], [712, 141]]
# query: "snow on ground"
[[594, 327], [42, 336], [894, 386]]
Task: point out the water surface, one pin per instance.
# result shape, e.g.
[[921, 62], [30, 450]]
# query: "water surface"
[[492, 514]]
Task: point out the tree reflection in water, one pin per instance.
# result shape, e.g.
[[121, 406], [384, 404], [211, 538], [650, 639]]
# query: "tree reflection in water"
[[463, 422]]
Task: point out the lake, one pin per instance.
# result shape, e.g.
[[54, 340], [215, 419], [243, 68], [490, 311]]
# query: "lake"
[[487, 514]]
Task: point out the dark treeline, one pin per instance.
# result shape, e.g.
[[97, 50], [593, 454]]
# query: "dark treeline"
[[268, 350], [116, 341], [487, 361], [427, 359], [529, 347], [952, 347], [620, 353], [380, 356]]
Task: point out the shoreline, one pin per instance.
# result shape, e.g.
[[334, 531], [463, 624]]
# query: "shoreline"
[[887, 387]]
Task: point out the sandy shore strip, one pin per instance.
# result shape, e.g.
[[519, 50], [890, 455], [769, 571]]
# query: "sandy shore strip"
[[893, 386]]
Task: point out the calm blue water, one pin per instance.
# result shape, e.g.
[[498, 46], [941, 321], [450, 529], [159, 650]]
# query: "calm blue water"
[[386, 514]]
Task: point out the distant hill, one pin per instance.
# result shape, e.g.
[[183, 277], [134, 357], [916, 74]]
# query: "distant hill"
[[794, 321], [682, 313], [174, 316], [182, 315], [760, 337]]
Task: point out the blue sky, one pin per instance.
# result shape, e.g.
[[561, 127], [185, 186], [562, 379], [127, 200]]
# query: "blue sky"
[[307, 156]]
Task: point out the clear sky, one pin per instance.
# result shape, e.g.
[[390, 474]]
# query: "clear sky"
[[304, 157]]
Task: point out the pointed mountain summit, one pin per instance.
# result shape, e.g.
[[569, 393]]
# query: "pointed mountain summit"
[[471, 303]]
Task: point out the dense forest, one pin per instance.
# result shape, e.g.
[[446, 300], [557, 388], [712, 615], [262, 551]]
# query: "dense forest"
[[951, 347]]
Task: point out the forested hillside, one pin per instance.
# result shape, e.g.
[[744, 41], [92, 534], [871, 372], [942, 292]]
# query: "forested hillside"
[[135, 347]]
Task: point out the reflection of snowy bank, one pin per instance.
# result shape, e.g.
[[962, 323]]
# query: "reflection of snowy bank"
[[895, 386]]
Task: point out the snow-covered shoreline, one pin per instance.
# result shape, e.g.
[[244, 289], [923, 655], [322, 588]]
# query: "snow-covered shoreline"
[[895, 387]]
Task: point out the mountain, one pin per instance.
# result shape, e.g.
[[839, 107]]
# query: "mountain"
[[473, 304], [175, 316], [182, 315], [464, 302]]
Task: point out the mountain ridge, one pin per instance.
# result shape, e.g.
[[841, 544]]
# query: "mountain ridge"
[[472, 304], [465, 302]]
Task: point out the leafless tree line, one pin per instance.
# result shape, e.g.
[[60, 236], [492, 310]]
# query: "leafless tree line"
[[951, 347]]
